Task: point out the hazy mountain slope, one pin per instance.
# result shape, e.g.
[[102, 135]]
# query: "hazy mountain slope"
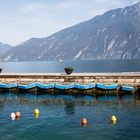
[[4, 48], [113, 35]]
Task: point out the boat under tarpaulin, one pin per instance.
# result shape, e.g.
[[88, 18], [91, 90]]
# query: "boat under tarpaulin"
[[64, 87], [107, 87], [84, 87], [125, 88], [8, 87], [44, 88], [103, 89], [29, 87]]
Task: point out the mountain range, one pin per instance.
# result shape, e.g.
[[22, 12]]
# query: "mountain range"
[[4, 48], [113, 35]]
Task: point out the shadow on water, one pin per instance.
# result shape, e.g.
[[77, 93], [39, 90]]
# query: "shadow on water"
[[69, 107]]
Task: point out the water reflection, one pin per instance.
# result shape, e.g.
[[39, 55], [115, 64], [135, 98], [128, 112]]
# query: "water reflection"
[[69, 107], [70, 101]]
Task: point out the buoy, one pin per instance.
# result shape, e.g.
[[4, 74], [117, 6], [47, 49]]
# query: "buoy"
[[18, 115], [36, 116], [13, 116], [84, 121], [113, 122], [36, 111], [113, 118], [18, 119]]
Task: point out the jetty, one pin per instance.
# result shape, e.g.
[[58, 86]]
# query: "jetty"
[[132, 78], [126, 80]]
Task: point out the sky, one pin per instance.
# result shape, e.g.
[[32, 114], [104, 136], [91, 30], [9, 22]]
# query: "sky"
[[21, 20]]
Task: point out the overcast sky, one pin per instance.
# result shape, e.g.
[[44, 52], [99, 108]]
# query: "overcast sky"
[[23, 19]]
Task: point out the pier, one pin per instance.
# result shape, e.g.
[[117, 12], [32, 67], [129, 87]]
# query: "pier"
[[132, 78], [128, 79]]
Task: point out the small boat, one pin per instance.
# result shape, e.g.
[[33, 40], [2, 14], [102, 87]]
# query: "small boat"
[[49, 86], [107, 87], [64, 87], [84, 87], [12, 85], [40, 86], [8, 87], [29, 87], [127, 88], [4, 86]]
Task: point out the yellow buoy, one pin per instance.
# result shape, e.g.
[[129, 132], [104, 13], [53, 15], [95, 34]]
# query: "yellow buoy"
[[36, 116], [113, 122], [36, 111], [113, 118]]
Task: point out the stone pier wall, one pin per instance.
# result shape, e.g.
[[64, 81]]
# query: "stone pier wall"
[[120, 78]]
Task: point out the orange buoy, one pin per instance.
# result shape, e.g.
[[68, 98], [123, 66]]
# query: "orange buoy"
[[84, 121], [18, 119], [18, 115]]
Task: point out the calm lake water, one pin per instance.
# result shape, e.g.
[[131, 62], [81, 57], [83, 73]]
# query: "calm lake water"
[[79, 66], [60, 117]]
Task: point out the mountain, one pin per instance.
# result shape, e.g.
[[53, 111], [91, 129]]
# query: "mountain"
[[113, 35], [4, 48]]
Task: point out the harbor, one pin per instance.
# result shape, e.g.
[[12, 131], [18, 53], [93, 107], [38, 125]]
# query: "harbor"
[[76, 83]]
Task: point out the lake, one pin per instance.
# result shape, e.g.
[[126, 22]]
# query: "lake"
[[60, 117], [79, 66]]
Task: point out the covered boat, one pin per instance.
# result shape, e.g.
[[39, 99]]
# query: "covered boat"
[[64, 87], [127, 88], [41, 88], [84, 87], [49, 86], [107, 87], [29, 87], [8, 87]]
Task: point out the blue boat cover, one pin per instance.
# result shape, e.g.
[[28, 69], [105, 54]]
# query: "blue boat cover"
[[39, 85], [28, 86], [12, 85], [107, 87], [127, 88], [64, 87], [48, 86], [8, 86], [88, 86], [2, 85]]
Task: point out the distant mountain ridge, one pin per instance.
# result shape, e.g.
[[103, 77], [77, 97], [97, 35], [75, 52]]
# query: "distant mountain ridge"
[[113, 35], [4, 48]]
